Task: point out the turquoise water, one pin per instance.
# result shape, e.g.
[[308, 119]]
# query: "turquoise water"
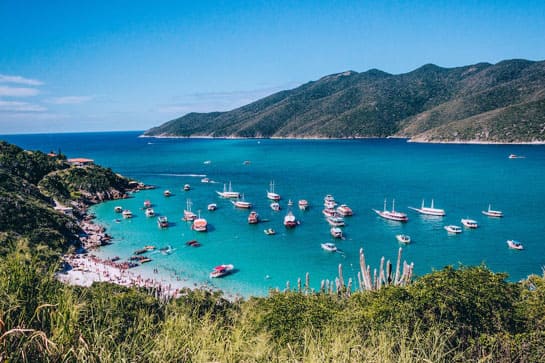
[[462, 179]]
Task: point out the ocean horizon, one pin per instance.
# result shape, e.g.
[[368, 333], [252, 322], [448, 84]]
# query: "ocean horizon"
[[462, 179]]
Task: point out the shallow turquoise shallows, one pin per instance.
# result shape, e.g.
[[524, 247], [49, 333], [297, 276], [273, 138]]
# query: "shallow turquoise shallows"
[[462, 179]]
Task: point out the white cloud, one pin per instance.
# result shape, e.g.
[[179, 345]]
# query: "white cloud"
[[18, 91], [15, 106], [19, 80], [70, 100]]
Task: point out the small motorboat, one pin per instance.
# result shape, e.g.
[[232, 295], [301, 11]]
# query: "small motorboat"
[[329, 247], [290, 203], [403, 238], [275, 206], [205, 180], [269, 232], [118, 209], [167, 193], [187, 187], [147, 204], [453, 229], [515, 244], [150, 212], [253, 217], [162, 222], [221, 270], [289, 220], [303, 204], [127, 213], [515, 156], [336, 232], [212, 207], [469, 223], [492, 213], [193, 243], [140, 251], [335, 221], [149, 248]]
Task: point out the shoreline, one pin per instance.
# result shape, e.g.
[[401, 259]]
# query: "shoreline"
[[407, 139]]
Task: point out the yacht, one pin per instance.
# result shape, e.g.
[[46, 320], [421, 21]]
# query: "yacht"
[[221, 270], [212, 207], [269, 231], [453, 229], [127, 213], [162, 222], [329, 212], [150, 212], [241, 203], [335, 221], [431, 210], [469, 223], [492, 213], [344, 210], [330, 247], [271, 194], [289, 220], [515, 245], [393, 215], [253, 217], [275, 206], [303, 204], [403, 238], [228, 192], [336, 232], [205, 180]]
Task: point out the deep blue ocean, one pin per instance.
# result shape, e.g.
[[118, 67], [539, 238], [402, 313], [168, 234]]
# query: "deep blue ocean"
[[462, 179]]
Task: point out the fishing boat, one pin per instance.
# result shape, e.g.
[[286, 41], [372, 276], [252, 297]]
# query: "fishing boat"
[[271, 194], [492, 213], [469, 223], [188, 214], [403, 238], [344, 210], [253, 217], [200, 224], [118, 209], [221, 270], [150, 212], [241, 203], [127, 213], [336, 232], [335, 221], [269, 231], [303, 204], [514, 244], [275, 206], [147, 204], [430, 211], [187, 187], [228, 192], [392, 215], [212, 207], [167, 193], [453, 229], [162, 222], [289, 220], [329, 247]]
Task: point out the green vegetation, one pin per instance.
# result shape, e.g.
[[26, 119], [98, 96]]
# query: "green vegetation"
[[451, 315], [482, 102]]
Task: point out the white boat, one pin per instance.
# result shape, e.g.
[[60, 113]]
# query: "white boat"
[[453, 229], [269, 231], [336, 232], [289, 220], [303, 204], [187, 187], [275, 206], [271, 194], [403, 238], [430, 211], [162, 222], [147, 204], [118, 209], [241, 203], [205, 180], [188, 214], [221, 270], [492, 213], [212, 207], [167, 193], [392, 215], [290, 203], [228, 192], [199, 224], [127, 213], [335, 221], [328, 246], [329, 212], [150, 212], [344, 210], [515, 244], [515, 156], [253, 217], [469, 223]]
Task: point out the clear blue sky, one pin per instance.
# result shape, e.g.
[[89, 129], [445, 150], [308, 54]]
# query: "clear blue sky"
[[130, 65]]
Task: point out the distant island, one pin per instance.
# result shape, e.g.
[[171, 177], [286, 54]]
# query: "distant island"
[[480, 103]]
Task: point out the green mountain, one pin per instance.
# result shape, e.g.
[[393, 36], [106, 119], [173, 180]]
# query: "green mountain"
[[504, 102]]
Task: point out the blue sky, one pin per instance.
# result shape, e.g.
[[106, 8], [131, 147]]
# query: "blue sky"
[[130, 65]]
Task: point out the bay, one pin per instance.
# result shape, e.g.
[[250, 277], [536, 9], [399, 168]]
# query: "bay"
[[462, 179]]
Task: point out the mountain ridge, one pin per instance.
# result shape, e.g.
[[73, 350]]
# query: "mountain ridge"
[[431, 103]]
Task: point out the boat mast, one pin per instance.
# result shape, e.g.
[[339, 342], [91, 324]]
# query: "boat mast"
[[431, 204], [393, 205], [385, 204]]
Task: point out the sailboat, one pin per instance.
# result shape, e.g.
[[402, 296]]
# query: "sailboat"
[[271, 194], [228, 193], [393, 215], [188, 214], [431, 210], [492, 213]]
